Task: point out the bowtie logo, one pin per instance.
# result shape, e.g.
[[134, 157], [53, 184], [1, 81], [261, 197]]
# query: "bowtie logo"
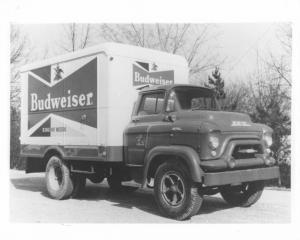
[[69, 97]]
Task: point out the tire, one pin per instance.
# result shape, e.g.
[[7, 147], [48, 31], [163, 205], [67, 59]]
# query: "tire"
[[175, 194], [96, 179], [58, 179], [79, 182], [244, 195]]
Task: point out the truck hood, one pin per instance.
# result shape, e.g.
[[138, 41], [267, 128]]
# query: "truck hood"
[[222, 121]]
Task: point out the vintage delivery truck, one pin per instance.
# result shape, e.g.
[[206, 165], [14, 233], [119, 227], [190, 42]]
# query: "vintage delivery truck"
[[127, 113]]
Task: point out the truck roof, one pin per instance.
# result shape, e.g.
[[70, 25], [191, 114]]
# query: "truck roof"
[[168, 87], [112, 49]]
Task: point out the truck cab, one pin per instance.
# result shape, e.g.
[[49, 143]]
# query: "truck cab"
[[179, 137]]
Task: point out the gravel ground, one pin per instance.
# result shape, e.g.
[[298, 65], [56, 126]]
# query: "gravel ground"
[[29, 202]]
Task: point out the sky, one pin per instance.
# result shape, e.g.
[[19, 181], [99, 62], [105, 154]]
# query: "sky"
[[241, 43], [237, 43]]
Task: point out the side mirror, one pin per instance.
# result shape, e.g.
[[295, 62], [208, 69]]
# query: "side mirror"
[[170, 105]]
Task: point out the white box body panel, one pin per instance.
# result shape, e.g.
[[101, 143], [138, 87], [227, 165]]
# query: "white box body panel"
[[86, 98]]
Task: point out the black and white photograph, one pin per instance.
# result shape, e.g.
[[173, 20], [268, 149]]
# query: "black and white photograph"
[[151, 122], [192, 125]]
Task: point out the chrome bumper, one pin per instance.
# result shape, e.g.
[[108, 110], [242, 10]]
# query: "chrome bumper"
[[239, 176]]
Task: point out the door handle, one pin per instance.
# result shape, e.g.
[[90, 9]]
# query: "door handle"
[[177, 129], [135, 120]]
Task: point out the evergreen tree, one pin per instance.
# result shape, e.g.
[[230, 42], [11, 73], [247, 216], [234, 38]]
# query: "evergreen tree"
[[216, 82]]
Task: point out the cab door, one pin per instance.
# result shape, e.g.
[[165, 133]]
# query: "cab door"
[[147, 128]]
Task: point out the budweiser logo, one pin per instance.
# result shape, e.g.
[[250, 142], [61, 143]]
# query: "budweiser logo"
[[77, 91], [142, 75]]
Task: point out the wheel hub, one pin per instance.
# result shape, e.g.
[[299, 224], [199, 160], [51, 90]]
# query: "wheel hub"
[[55, 178], [172, 189]]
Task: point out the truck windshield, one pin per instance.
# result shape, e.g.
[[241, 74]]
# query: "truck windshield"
[[194, 98]]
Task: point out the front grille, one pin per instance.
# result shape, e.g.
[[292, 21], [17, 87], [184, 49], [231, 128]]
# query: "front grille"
[[246, 151]]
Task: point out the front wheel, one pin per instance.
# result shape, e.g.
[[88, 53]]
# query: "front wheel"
[[175, 194], [243, 195]]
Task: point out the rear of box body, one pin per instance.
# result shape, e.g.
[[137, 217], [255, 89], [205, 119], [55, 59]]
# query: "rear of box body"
[[84, 100]]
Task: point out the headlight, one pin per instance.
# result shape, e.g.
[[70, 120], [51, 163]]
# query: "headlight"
[[213, 142], [267, 137]]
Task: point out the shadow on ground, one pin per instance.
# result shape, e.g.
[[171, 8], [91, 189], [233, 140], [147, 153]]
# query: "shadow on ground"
[[142, 199]]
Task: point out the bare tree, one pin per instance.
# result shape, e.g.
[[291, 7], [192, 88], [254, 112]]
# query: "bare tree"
[[75, 36], [271, 105], [19, 54], [17, 43], [188, 40], [282, 64], [237, 97], [284, 35]]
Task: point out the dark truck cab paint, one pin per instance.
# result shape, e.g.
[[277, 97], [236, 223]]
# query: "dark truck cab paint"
[[180, 138], [161, 126]]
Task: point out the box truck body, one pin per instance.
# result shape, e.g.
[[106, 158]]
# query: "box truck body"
[[82, 101]]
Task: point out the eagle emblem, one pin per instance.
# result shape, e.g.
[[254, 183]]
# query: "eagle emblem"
[[58, 73]]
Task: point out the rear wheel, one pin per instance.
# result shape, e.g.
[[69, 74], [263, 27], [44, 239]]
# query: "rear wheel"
[[243, 195], [58, 179], [96, 179], [175, 194]]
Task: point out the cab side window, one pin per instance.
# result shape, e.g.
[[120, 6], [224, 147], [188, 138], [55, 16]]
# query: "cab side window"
[[151, 104]]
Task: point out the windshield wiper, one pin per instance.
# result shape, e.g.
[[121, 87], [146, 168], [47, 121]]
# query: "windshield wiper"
[[203, 108], [198, 108]]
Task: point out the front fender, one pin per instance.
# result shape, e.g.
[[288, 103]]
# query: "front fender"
[[189, 156]]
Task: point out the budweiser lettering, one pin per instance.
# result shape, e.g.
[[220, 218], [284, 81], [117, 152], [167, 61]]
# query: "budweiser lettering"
[[70, 101], [146, 79]]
